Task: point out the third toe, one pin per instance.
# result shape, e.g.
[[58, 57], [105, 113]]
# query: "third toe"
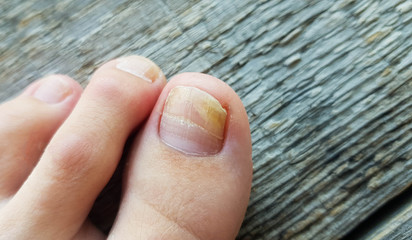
[[28, 122], [84, 152]]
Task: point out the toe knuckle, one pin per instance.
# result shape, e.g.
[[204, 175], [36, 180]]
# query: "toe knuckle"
[[70, 157]]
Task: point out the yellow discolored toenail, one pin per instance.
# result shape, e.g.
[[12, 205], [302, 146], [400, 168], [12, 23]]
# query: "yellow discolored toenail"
[[193, 121]]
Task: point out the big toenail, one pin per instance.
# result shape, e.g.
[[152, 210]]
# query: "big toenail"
[[53, 90], [193, 121], [140, 67]]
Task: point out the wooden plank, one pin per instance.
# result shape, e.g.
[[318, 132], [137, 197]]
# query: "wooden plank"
[[392, 221], [398, 228], [327, 86]]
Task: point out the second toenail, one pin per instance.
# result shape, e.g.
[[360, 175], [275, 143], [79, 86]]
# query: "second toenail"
[[53, 90], [193, 121], [139, 67]]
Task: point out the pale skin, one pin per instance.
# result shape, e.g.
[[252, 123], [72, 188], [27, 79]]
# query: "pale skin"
[[61, 145]]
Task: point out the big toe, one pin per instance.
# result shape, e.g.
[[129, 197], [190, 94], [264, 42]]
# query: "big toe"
[[189, 173]]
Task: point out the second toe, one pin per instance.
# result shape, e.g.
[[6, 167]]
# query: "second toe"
[[84, 152]]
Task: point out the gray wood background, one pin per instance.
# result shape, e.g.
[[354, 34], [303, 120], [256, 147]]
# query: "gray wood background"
[[327, 86]]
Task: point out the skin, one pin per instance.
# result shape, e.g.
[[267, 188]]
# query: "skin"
[[58, 158]]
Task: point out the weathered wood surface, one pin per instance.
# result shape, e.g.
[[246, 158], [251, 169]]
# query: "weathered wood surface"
[[392, 221], [398, 227], [327, 86]]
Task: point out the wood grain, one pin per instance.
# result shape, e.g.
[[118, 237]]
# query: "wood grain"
[[327, 86], [392, 221], [399, 227]]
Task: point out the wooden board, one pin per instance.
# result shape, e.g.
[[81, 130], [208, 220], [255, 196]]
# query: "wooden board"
[[399, 227], [327, 86], [392, 221]]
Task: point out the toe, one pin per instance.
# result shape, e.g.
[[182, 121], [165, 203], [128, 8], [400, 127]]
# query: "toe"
[[84, 152], [28, 122], [189, 175]]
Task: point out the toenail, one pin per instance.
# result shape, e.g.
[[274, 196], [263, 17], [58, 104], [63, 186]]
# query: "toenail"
[[53, 90], [193, 121], [140, 67]]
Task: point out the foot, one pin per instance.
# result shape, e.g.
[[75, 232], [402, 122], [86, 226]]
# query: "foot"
[[188, 171]]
